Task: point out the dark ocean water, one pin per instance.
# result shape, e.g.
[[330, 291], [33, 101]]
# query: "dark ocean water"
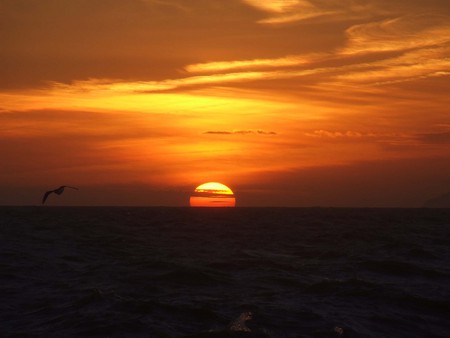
[[182, 272]]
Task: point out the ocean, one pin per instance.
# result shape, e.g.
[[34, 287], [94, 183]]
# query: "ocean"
[[190, 272]]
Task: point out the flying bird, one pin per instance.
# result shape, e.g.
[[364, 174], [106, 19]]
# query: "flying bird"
[[58, 191]]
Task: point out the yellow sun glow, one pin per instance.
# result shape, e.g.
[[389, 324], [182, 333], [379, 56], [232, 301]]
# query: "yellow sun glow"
[[212, 194]]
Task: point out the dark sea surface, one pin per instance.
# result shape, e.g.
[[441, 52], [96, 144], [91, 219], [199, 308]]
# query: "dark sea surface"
[[188, 272]]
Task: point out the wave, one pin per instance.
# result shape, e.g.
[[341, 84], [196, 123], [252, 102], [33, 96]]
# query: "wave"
[[177, 272], [423, 303], [192, 276], [398, 268], [351, 286]]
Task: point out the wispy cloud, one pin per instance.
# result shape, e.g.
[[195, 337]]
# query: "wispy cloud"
[[420, 42], [389, 140], [401, 33], [285, 11], [120, 86], [333, 134], [241, 132], [288, 11], [287, 61], [278, 6], [349, 134], [412, 65]]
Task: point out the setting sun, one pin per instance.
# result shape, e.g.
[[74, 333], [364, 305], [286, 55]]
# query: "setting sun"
[[212, 194]]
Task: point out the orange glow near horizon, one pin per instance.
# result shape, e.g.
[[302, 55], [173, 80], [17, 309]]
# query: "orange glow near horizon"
[[212, 194]]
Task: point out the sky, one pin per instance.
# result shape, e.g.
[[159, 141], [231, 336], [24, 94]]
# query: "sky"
[[287, 102]]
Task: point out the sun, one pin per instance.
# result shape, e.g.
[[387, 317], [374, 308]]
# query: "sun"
[[212, 194]]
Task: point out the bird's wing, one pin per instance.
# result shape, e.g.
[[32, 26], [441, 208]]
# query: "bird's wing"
[[71, 187], [60, 190], [46, 195]]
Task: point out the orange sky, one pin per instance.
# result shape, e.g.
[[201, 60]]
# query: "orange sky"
[[289, 103]]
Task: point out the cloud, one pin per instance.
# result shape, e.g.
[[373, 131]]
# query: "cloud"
[[278, 6], [240, 132], [428, 59], [415, 47], [401, 33], [411, 65], [288, 11], [350, 134], [335, 134], [120, 86], [287, 61], [285, 11], [386, 139]]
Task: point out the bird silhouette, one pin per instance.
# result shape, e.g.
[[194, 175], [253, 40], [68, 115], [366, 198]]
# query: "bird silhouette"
[[57, 191]]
